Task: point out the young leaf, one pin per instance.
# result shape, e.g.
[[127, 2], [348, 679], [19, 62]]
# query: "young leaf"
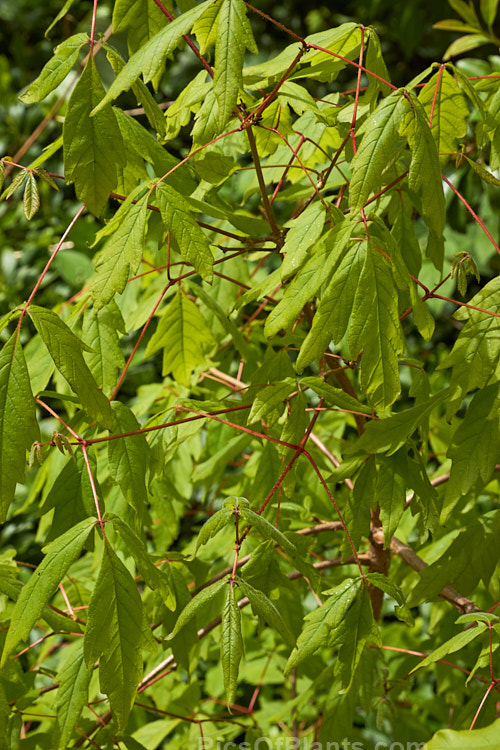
[[16, 183], [233, 35], [56, 70], [179, 220], [114, 634], [184, 337], [59, 555], [128, 458], [231, 645], [215, 523], [196, 604], [72, 694], [31, 199], [380, 133], [322, 621], [93, 147], [264, 607], [66, 350], [150, 58], [18, 425]]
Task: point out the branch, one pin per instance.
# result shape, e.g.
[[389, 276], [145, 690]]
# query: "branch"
[[411, 558]]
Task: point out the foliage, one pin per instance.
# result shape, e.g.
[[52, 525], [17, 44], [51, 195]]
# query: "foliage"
[[256, 384]]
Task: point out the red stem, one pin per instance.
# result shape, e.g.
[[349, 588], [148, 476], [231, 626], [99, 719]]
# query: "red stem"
[[472, 212], [49, 263]]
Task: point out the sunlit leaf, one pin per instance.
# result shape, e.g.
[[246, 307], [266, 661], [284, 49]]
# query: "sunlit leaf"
[[18, 425]]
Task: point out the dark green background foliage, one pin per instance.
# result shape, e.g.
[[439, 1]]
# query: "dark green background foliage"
[[249, 379]]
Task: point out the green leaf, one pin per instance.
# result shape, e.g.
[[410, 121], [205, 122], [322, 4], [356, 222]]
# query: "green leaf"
[[465, 44], [150, 58], [474, 447], [215, 523], [304, 231], [155, 578], [425, 173], [207, 297], [389, 434], [72, 694], [56, 70], [16, 183], [356, 512], [443, 98], [122, 254], [143, 95], [380, 135], [67, 5], [335, 396], [231, 645], [93, 147], [335, 308], [489, 11], [322, 621], [142, 20], [184, 337], [70, 496], [31, 199], [264, 607], [477, 739], [475, 357], [324, 258], [128, 458], [179, 220], [66, 350], [375, 329], [471, 557], [270, 398], [457, 642], [101, 329], [189, 101], [392, 589], [18, 425], [234, 34], [114, 634], [59, 555], [483, 173], [467, 11], [268, 531], [356, 627], [390, 492], [196, 604]]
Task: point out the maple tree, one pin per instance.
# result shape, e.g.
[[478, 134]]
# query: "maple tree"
[[263, 478]]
